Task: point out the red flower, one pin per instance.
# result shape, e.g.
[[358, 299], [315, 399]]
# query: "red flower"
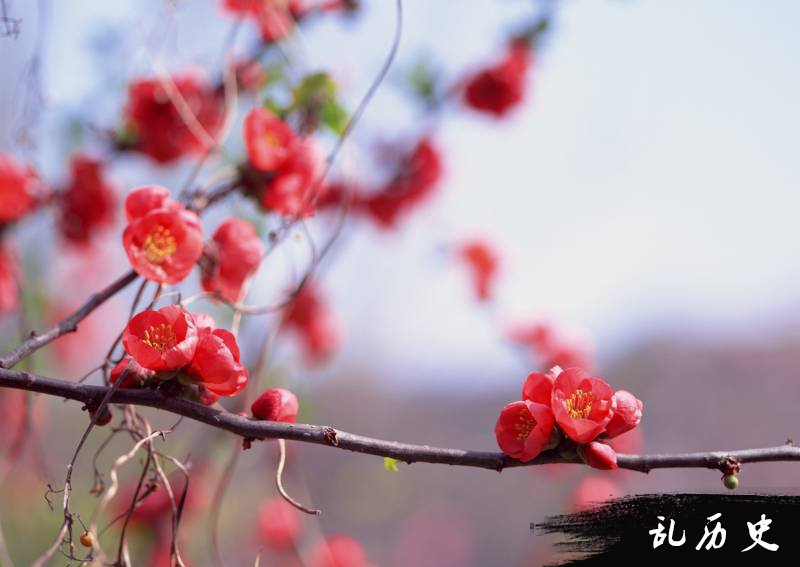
[[538, 388], [416, 178], [161, 340], [160, 130], [627, 414], [17, 187], [339, 551], [88, 202], [594, 490], [523, 429], [278, 523], [582, 404], [164, 244], [550, 346], [142, 200], [498, 89], [276, 404], [267, 138], [234, 255], [216, 365], [275, 18], [297, 183], [598, 455], [483, 263], [311, 318], [135, 376], [10, 275]]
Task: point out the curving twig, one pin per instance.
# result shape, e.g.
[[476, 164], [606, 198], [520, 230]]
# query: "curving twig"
[[406, 452]]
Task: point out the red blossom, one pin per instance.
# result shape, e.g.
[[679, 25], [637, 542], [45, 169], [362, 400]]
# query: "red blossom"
[[339, 551], [268, 139], [135, 376], [523, 429], [276, 404], [275, 18], [216, 366], [142, 200], [627, 414], [483, 262], [234, 255], [415, 180], [159, 129], [297, 183], [598, 455], [311, 318], [551, 346], [582, 404], [163, 244], [278, 523], [10, 274], [88, 202], [161, 340], [500, 88], [17, 189]]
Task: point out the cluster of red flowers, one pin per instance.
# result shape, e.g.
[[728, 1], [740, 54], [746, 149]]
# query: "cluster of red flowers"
[[167, 119], [500, 88], [415, 177], [173, 344], [287, 168], [87, 203], [569, 409]]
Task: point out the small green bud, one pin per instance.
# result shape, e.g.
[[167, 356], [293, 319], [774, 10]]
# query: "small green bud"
[[731, 481]]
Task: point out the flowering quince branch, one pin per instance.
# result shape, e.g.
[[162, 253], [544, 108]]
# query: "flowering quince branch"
[[409, 453]]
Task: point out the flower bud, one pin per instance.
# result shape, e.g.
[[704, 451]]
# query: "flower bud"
[[598, 455], [103, 419], [731, 481], [627, 414], [276, 404], [87, 539]]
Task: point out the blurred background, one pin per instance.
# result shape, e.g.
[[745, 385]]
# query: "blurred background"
[[641, 201]]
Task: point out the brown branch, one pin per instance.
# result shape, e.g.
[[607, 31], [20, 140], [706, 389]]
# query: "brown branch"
[[69, 325], [323, 435]]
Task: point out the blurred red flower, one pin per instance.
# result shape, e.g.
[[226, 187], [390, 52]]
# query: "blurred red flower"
[[17, 189], [234, 254], [162, 131], [297, 183], [161, 340], [268, 139], [87, 204], [310, 317], [582, 404], [339, 551], [416, 177], [593, 490], [500, 88], [163, 244], [216, 364], [278, 523], [483, 261], [598, 455], [627, 413], [523, 429], [276, 404], [275, 18], [10, 275]]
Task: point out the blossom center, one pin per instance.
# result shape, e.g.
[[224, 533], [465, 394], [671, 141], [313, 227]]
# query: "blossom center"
[[579, 404], [159, 245], [160, 337], [524, 425]]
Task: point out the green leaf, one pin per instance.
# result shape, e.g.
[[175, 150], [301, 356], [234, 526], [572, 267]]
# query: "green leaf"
[[423, 79], [316, 88], [390, 464], [333, 116]]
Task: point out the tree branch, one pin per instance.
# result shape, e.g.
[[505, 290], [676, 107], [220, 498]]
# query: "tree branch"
[[324, 435], [69, 325]]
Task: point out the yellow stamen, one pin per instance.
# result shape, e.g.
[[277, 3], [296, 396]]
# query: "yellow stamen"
[[160, 337], [159, 245], [579, 404], [524, 426]]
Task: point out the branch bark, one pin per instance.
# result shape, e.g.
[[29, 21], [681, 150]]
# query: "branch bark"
[[328, 436]]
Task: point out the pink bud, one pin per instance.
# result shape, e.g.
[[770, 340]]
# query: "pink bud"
[[598, 455], [627, 414]]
